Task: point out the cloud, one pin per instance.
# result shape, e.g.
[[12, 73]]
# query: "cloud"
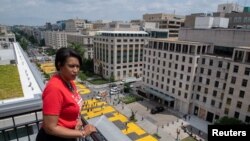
[[33, 12]]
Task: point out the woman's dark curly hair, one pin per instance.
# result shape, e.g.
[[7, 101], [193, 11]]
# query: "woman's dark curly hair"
[[62, 54]]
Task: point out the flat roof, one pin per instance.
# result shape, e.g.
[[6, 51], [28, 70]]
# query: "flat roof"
[[176, 40], [29, 84], [123, 32]]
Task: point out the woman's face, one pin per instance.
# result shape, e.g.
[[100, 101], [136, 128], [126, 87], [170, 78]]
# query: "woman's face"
[[70, 69]]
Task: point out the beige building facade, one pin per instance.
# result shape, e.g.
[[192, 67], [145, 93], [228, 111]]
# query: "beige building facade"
[[119, 54]]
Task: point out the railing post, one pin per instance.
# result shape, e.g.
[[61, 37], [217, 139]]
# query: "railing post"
[[14, 124], [26, 126], [4, 136], [37, 122]]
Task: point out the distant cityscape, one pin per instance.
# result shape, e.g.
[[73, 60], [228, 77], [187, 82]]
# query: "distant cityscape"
[[197, 64]]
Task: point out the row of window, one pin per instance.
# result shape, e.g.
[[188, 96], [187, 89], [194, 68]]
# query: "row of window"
[[178, 47], [212, 102], [237, 114], [169, 68], [169, 89], [210, 62], [170, 57], [246, 71]]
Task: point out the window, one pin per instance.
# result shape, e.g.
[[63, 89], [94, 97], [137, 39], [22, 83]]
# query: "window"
[[206, 90], [211, 62], [209, 72], [229, 100], [218, 74], [199, 88], [242, 94], [236, 69], [226, 111], [185, 95], [236, 115], [244, 83], [214, 93], [216, 84], [202, 70], [189, 69], [220, 64], [197, 97], [239, 104], [183, 58], [179, 93], [247, 71], [247, 120], [180, 84], [190, 60], [204, 99], [200, 79], [231, 90], [212, 102], [173, 90], [208, 81], [233, 80], [203, 61]]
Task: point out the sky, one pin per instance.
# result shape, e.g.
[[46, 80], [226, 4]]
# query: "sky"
[[38, 12]]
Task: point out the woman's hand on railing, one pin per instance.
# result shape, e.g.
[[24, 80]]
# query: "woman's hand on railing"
[[88, 129]]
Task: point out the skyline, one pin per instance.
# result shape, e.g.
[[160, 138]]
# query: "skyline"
[[38, 12]]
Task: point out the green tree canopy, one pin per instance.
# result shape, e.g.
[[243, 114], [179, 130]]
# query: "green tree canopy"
[[228, 121]]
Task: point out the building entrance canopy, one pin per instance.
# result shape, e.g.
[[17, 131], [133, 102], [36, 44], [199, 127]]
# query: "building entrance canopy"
[[159, 94]]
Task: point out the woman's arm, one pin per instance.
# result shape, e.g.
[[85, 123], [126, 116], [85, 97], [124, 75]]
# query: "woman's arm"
[[51, 127]]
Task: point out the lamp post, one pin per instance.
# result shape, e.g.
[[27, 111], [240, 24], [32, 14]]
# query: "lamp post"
[[157, 129], [177, 133]]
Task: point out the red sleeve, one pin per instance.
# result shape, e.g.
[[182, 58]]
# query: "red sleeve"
[[52, 100]]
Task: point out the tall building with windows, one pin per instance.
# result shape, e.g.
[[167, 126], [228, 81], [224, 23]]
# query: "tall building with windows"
[[55, 39], [171, 22], [85, 41], [205, 73], [119, 54], [6, 36], [169, 70]]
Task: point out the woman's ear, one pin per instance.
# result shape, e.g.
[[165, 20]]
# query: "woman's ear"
[[59, 65]]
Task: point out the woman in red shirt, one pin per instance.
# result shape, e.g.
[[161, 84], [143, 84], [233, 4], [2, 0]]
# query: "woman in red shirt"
[[61, 102]]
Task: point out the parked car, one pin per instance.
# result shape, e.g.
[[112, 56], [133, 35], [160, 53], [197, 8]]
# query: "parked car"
[[157, 110]]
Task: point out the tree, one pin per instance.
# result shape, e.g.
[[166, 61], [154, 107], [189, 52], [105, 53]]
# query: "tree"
[[132, 117], [78, 48], [112, 78], [42, 42], [88, 65], [228, 121], [82, 76]]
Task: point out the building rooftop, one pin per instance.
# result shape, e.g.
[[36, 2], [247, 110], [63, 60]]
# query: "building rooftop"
[[31, 88], [123, 32], [176, 40]]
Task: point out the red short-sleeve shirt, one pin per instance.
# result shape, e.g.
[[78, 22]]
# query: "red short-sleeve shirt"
[[59, 100]]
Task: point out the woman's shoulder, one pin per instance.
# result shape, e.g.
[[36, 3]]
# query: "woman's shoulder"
[[55, 82]]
